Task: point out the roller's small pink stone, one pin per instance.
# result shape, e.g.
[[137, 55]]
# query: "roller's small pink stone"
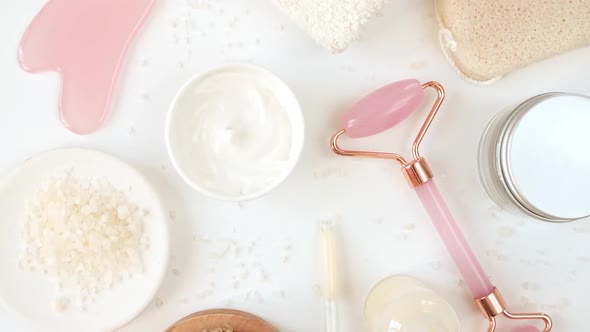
[[525, 329], [383, 108]]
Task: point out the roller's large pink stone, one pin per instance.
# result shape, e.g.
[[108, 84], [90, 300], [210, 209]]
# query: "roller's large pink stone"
[[383, 108]]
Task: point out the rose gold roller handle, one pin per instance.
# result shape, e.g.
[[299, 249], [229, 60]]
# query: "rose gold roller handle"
[[456, 244], [488, 298]]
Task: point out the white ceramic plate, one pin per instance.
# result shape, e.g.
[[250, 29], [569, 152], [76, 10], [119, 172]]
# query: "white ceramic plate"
[[30, 295]]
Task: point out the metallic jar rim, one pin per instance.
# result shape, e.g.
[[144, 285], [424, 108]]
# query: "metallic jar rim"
[[502, 157]]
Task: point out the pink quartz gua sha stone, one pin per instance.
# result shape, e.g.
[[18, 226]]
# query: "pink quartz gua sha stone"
[[86, 42], [383, 108]]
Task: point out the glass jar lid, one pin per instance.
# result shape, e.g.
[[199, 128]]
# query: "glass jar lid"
[[544, 156]]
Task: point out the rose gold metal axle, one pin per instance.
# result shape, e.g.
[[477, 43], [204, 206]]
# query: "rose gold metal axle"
[[493, 305]]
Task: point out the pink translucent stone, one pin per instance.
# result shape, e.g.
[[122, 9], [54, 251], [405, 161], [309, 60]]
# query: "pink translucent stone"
[[525, 329], [383, 108], [458, 248], [86, 42]]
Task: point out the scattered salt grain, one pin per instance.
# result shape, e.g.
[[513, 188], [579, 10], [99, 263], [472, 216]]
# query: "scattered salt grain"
[[60, 305], [158, 302]]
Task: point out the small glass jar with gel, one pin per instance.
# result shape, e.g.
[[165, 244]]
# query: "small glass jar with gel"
[[535, 160], [403, 304], [234, 133]]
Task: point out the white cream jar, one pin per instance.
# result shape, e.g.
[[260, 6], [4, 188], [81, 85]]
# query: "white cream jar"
[[535, 159], [234, 133]]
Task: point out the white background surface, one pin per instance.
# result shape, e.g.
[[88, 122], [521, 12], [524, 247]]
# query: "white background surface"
[[262, 256]]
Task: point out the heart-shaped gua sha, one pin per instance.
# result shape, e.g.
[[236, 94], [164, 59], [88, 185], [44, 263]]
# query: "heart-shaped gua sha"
[[86, 42]]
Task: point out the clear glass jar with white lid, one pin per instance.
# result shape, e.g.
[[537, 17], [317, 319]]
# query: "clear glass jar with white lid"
[[535, 159]]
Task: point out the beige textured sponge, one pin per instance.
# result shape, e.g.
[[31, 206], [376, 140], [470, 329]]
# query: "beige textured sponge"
[[485, 39]]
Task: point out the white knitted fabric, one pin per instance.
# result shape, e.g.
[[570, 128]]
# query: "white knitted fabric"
[[332, 23]]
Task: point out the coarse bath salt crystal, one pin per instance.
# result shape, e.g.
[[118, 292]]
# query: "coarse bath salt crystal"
[[84, 234]]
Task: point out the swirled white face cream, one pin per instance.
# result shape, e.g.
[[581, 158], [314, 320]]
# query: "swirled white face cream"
[[234, 133]]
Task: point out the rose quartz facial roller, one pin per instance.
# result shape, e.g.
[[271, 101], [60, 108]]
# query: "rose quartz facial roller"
[[381, 110]]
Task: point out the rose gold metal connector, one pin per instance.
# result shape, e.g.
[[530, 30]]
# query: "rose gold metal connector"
[[416, 171], [493, 305]]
